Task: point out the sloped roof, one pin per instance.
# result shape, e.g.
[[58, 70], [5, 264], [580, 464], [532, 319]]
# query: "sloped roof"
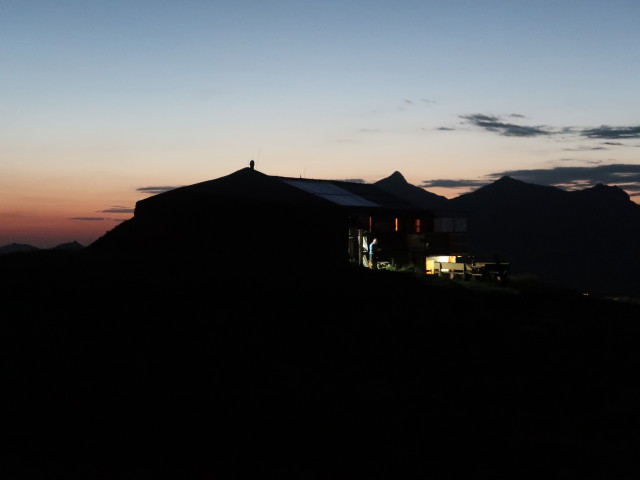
[[249, 184], [244, 184], [329, 191], [349, 193]]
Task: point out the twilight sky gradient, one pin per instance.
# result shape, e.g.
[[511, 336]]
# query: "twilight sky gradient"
[[103, 103]]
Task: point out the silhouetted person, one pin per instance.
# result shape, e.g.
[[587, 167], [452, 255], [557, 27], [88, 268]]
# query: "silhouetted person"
[[252, 164], [373, 253]]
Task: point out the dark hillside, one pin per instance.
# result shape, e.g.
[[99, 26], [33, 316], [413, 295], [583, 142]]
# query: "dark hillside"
[[588, 240], [16, 247], [127, 368]]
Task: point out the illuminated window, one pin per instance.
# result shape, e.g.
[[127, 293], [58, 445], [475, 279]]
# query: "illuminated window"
[[417, 226], [396, 224]]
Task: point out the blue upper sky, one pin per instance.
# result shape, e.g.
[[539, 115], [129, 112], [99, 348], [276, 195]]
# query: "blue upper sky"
[[102, 101]]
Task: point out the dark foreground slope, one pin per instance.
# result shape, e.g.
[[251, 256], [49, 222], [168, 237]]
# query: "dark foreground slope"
[[119, 368]]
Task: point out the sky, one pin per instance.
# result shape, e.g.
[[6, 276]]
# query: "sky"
[[104, 103]]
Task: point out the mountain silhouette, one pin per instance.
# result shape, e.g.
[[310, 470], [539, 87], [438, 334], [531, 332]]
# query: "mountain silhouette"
[[17, 247], [137, 366], [23, 247], [586, 240], [74, 246], [396, 184]]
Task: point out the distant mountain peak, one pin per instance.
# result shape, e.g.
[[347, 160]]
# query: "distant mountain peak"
[[612, 190], [514, 188], [507, 179], [602, 193], [510, 182], [69, 246], [397, 185], [397, 177], [17, 247]]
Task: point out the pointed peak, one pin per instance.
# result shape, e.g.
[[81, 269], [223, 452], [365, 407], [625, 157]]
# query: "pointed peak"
[[511, 183], [398, 185], [397, 176], [69, 246], [506, 180], [601, 191]]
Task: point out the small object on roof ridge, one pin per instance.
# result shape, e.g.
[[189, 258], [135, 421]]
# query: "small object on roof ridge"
[[252, 164]]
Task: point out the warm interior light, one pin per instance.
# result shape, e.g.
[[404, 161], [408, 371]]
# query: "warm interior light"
[[439, 258]]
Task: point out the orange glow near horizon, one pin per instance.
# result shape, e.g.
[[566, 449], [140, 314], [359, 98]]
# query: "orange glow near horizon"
[[46, 216], [46, 223], [49, 211], [87, 143], [47, 231]]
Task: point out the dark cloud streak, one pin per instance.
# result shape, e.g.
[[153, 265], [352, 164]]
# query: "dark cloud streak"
[[608, 132], [155, 189], [118, 210], [492, 123], [449, 183], [625, 176], [607, 174]]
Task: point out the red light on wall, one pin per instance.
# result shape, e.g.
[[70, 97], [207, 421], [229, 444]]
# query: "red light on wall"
[[396, 224]]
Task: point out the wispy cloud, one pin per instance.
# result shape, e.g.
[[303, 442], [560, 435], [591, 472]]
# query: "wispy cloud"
[[493, 123], [625, 176], [584, 149], [155, 189], [613, 174], [606, 131], [118, 210], [98, 219], [450, 183]]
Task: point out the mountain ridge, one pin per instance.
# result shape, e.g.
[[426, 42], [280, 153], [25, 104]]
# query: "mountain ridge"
[[25, 247], [585, 239], [398, 185]]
